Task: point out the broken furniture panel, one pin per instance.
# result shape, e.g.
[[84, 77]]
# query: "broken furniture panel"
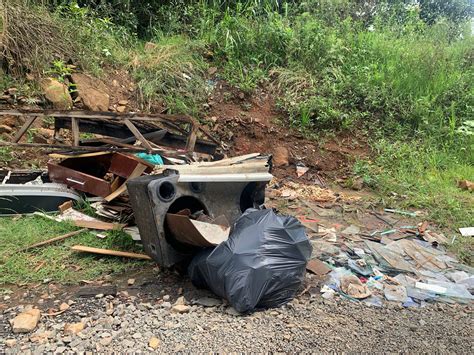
[[87, 174]]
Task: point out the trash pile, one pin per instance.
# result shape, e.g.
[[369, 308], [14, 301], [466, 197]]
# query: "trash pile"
[[408, 265]]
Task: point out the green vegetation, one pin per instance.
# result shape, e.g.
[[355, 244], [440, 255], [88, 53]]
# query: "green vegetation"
[[56, 261], [400, 71]]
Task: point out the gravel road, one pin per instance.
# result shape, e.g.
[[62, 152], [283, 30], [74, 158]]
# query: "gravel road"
[[127, 322]]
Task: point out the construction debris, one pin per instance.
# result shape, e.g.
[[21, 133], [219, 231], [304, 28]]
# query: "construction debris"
[[410, 270]]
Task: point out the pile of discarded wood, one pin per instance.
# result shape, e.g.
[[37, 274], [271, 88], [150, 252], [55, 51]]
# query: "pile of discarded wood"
[[117, 149]]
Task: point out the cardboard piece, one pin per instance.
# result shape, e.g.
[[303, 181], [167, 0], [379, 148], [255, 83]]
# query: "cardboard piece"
[[197, 233]]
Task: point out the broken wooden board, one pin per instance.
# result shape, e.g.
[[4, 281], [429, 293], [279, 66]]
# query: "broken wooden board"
[[317, 267], [53, 240], [99, 225], [85, 249]]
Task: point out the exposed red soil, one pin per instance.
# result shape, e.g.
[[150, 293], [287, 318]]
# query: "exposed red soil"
[[249, 125]]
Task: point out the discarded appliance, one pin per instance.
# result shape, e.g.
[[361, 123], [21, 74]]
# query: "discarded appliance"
[[29, 192], [261, 265], [169, 192]]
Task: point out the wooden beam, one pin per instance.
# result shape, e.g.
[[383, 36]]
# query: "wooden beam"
[[99, 225], [53, 240], [75, 130], [24, 128], [124, 254], [170, 153], [139, 169], [191, 141], [137, 134]]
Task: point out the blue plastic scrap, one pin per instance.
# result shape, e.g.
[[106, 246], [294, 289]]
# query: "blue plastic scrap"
[[154, 159]]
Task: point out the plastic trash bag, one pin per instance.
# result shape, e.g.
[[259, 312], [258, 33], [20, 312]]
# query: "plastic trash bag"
[[261, 265]]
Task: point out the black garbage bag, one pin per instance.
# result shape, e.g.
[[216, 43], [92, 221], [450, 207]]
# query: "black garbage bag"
[[261, 265]]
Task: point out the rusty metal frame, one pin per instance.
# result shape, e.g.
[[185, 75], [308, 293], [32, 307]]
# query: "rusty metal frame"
[[128, 119]]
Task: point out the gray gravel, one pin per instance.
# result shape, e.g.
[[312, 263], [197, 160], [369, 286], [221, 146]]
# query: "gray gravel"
[[127, 323]]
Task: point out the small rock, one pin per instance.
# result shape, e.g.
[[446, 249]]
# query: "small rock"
[[212, 70], [166, 305], [123, 102], [66, 339], [281, 156], [41, 337], [130, 282], [56, 93], [105, 341], [121, 108], [60, 349], [99, 295], [10, 343], [26, 322], [357, 184], [63, 306], [136, 336], [180, 308], [180, 301], [154, 343], [166, 298], [73, 328], [92, 91], [232, 311]]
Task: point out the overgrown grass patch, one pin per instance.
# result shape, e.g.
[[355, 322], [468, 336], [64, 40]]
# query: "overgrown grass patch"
[[57, 261], [172, 71]]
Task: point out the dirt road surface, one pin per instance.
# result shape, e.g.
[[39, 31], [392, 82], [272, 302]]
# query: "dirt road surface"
[[127, 321]]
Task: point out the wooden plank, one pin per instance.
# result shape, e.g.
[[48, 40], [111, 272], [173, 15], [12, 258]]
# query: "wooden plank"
[[191, 141], [24, 128], [104, 226], [137, 134], [170, 153], [139, 169], [53, 240], [75, 131], [124, 254]]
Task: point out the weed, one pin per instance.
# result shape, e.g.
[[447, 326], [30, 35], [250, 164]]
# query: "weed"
[[5, 155]]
